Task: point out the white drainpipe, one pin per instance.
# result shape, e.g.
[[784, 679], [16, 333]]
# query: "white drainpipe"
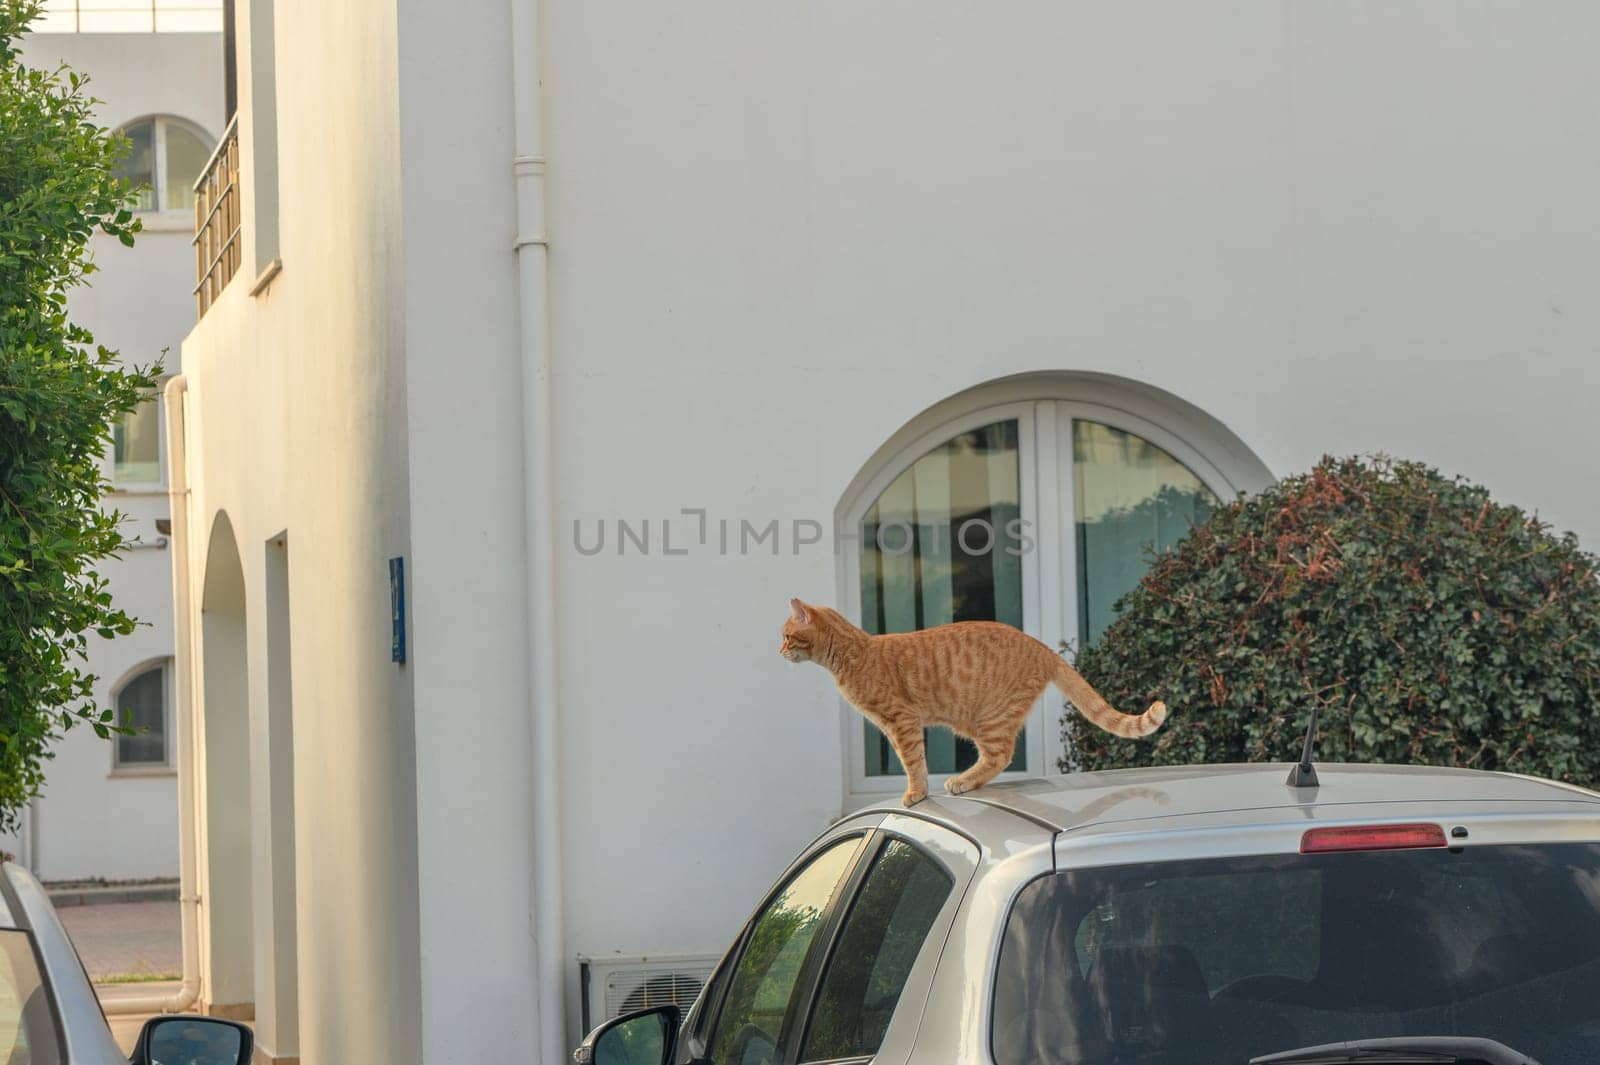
[[533, 292], [189, 900], [31, 838]]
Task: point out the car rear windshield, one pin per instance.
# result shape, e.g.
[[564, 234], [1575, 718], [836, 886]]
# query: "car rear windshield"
[[27, 1022], [1223, 959]]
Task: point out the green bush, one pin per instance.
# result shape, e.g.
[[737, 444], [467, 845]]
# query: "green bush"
[[1427, 623], [59, 394]]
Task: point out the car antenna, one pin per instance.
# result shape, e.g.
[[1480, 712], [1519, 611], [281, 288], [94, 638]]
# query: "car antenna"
[[1304, 775]]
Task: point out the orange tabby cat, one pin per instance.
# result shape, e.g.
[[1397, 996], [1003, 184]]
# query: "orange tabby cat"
[[978, 678]]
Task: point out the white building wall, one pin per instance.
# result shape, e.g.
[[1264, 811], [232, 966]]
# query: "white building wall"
[[296, 430], [779, 234], [93, 821], [469, 635]]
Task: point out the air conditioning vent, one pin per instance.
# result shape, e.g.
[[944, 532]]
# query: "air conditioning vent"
[[629, 991], [614, 986]]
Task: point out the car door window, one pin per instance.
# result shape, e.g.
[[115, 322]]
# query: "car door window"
[[27, 1023], [763, 985], [892, 914]]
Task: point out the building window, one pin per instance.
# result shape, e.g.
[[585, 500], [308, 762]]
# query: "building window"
[[129, 16], [166, 159], [1038, 512], [1129, 497], [136, 445], [942, 544], [142, 705]]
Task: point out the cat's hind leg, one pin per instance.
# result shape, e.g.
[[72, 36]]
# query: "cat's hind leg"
[[908, 744], [992, 761], [996, 739]]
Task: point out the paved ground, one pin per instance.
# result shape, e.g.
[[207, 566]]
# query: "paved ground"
[[122, 939]]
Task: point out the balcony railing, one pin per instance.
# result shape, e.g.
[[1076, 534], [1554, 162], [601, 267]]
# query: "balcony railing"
[[216, 220]]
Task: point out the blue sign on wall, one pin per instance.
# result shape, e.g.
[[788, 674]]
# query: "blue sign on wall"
[[397, 609]]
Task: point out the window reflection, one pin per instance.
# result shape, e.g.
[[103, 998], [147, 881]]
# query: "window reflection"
[[186, 158], [165, 161], [943, 543], [142, 706], [768, 973], [1131, 498], [139, 168], [136, 445]]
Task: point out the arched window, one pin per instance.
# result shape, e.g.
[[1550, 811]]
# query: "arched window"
[[166, 159], [142, 704], [1034, 501]]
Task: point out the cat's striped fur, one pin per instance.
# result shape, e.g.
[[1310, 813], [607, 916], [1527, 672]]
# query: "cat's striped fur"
[[978, 678]]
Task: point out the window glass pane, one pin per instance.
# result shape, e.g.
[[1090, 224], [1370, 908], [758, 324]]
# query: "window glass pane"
[[139, 168], [1227, 959], [186, 158], [136, 445], [188, 16], [888, 922], [27, 1030], [764, 981], [944, 543], [129, 16], [142, 705], [1131, 498]]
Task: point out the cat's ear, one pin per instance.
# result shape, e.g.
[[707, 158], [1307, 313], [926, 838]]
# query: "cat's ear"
[[801, 614]]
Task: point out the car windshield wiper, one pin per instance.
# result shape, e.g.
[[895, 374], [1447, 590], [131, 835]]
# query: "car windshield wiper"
[[1405, 1048]]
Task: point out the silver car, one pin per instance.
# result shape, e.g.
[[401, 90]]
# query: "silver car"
[[49, 1014], [1178, 916]]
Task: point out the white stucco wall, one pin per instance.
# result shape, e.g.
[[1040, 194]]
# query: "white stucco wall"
[[91, 822], [469, 635], [777, 235], [297, 431]]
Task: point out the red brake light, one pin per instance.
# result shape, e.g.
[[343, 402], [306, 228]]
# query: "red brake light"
[[1371, 838]]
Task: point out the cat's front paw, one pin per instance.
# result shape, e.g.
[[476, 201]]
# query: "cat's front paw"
[[957, 786], [911, 798]]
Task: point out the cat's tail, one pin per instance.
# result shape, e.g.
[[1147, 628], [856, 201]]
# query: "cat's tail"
[[1092, 706]]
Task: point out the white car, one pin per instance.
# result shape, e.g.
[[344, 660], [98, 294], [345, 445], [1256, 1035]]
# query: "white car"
[[49, 1014], [1212, 915]]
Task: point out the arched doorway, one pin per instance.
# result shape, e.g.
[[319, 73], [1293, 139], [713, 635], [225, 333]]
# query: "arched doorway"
[[225, 888]]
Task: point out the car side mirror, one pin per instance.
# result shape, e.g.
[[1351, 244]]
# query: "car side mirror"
[[648, 1037], [188, 1040]]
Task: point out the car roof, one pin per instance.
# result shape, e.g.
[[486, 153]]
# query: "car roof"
[[1239, 794]]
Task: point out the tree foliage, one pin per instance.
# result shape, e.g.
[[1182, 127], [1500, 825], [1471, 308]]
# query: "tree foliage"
[[1427, 623], [60, 392]]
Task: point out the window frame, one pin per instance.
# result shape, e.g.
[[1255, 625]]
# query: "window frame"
[[957, 853], [166, 766], [51, 1007], [707, 1013], [1044, 407], [159, 121], [958, 857], [850, 596]]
